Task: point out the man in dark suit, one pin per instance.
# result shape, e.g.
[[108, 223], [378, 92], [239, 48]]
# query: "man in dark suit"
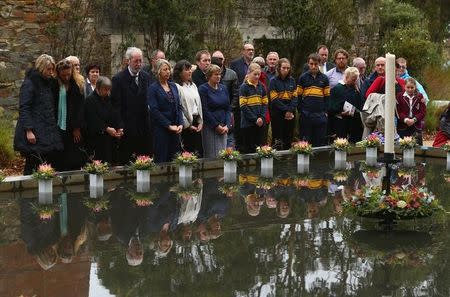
[[129, 97], [240, 65], [324, 65], [154, 57]]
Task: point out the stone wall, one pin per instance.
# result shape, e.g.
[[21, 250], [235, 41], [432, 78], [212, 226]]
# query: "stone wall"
[[23, 37], [22, 40]]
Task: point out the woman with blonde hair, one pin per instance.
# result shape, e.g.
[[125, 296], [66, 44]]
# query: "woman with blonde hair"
[[166, 113], [253, 103], [70, 116], [36, 136]]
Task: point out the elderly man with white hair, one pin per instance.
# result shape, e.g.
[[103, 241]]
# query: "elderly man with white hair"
[[129, 97], [344, 105], [360, 64]]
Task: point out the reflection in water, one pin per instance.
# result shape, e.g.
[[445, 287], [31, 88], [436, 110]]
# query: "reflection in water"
[[282, 236]]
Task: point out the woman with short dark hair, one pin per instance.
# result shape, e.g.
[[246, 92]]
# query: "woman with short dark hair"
[[92, 74], [37, 136]]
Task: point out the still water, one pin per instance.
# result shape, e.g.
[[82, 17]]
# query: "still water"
[[284, 236]]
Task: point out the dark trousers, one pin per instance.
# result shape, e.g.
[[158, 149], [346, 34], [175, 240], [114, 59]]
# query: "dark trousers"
[[412, 131], [134, 145], [282, 131], [237, 133], [252, 137], [349, 127], [74, 155], [103, 147], [192, 142], [166, 144], [313, 128]]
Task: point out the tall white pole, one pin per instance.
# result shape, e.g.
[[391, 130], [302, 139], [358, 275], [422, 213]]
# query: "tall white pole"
[[389, 107]]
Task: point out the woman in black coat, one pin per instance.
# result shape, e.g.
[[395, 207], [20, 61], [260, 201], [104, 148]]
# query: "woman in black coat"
[[69, 110], [36, 136], [103, 124]]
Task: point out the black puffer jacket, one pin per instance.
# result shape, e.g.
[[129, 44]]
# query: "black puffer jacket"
[[37, 112]]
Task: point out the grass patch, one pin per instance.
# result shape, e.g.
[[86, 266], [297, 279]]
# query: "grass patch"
[[6, 138]]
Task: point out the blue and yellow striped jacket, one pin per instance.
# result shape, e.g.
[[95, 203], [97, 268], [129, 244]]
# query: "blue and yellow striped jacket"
[[253, 103], [313, 93], [283, 94]]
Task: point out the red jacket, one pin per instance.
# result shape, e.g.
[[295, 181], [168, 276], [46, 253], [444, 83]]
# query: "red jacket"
[[378, 86], [418, 111]]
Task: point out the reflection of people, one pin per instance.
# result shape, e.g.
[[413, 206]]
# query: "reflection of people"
[[40, 237]]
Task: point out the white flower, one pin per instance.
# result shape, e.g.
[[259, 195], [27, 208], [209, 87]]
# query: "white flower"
[[401, 204]]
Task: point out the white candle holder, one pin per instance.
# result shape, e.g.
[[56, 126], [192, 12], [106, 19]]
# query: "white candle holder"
[[142, 176], [143, 186], [95, 181], [45, 198], [448, 161], [45, 185], [230, 177], [302, 163], [267, 167], [96, 192], [371, 156], [340, 159], [229, 167], [185, 175]]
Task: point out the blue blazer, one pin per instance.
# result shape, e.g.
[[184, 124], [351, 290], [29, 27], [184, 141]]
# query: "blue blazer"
[[240, 67], [164, 112]]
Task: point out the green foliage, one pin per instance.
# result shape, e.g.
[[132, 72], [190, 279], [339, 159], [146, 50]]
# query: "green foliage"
[[404, 32], [303, 27], [6, 139], [432, 117], [437, 81]]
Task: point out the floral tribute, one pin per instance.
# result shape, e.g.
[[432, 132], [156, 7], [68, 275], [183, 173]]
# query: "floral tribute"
[[230, 154], [341, 144], [407, 142], [373, 140], [45, 212], [446, 147], [96, 167], [266, 151], [230, 190], [186, 158], [301, 147], [44, 171], [142, 199], [143, 163], [97, 205], [2, 176], [400, 204]]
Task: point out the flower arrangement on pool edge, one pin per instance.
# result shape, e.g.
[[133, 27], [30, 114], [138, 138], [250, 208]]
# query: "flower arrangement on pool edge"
[[407, 142], [265, 151], [446, 147], [45, 212], [96, 167], [400, 204], [341, 144], [97, 205], [186, 158], [44, 171], [373, 140], [143, 163], [301, 147], [230, 154]]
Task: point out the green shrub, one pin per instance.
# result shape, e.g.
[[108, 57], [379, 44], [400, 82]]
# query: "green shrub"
[[6, 139], [432, 116], [436, 81]]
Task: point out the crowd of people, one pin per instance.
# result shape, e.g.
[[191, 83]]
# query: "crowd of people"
[[163, 109]]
